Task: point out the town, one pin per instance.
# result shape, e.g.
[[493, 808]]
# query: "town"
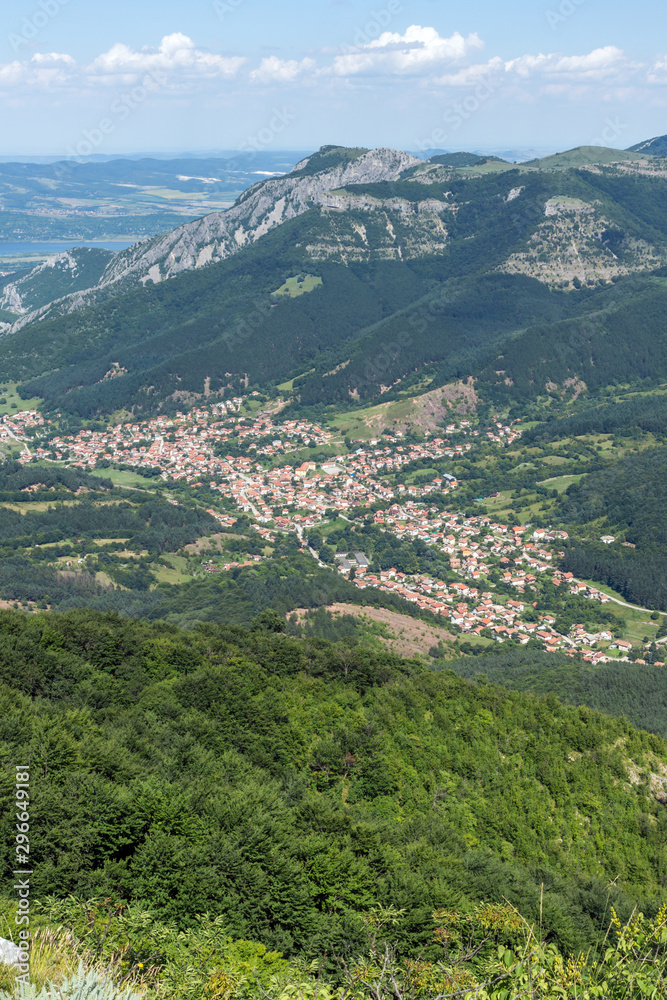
[[245, 457]]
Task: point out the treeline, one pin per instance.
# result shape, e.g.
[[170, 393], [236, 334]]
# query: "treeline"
[[635, 691], [639, 576], [624, 344], [627, 499], [382, 549], [235, 597], [646, 413], [631, 495], [16, 478], [289, 786], [149, 524]]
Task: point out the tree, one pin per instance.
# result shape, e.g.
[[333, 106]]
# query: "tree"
[[268, 621]]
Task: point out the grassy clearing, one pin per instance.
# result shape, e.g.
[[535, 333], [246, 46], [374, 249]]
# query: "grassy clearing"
[[11, 402], [495, 503], [476, 640], [174, 573], [294, 287], [121, 477], [337, 525], [561, 483], [369, 423]]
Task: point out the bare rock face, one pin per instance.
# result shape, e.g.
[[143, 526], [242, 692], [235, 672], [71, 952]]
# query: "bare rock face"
[[219, 235], [58, 275], [259, 210]]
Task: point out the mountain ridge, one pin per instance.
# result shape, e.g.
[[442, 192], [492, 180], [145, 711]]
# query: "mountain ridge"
[[399, 252]]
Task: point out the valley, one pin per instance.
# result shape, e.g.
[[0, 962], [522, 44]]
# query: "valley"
[[333, 580]]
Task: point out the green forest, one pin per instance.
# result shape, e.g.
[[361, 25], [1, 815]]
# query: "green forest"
[[292, 786], [628, 498]]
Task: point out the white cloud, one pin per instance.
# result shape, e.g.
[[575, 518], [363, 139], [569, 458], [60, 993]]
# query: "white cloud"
[[417, 51], [275, 70], [42, 71], [12, 73], [176, 53], [595, 65], [658, 71], [469, 76], [52, 59]]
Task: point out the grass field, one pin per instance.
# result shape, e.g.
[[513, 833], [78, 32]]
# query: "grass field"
[[369, 423], [175, 572], [561, 483], [121, 477], [11, 402], [294, 287]]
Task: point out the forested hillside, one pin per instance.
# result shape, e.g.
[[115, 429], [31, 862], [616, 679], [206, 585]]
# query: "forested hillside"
[[441, 272], [290, 786], [628, 499]]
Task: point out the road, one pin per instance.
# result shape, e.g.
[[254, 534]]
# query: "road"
[[646, 611]]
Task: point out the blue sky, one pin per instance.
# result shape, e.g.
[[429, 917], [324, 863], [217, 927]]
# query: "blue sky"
[[83, 76]]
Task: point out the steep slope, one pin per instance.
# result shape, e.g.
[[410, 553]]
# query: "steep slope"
[[217, 236], [60, 275], [292, 786], [417, 271], [651, 147]]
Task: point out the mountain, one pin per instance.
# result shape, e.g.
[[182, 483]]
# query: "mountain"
[[463, 159], [258, 210], [92, 199], [584, 156], [651, 147], [368, 272], [60, 275]]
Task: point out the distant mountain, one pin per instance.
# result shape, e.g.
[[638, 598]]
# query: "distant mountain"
[[582, 156], [97, 199], [652, 147], [463, 159], [364, 273], [269, 203]]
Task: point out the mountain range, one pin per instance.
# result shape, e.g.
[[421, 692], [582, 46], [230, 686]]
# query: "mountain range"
[[364, 274]]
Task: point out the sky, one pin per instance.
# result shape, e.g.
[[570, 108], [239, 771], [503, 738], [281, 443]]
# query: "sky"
[[79, 77]]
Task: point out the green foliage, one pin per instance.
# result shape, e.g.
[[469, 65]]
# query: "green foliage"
[[648, 413], [288, 786], [635, 691], [16, 480], [627, 498]]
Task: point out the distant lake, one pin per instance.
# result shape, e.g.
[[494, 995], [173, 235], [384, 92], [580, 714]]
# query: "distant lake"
[[59, 246]]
